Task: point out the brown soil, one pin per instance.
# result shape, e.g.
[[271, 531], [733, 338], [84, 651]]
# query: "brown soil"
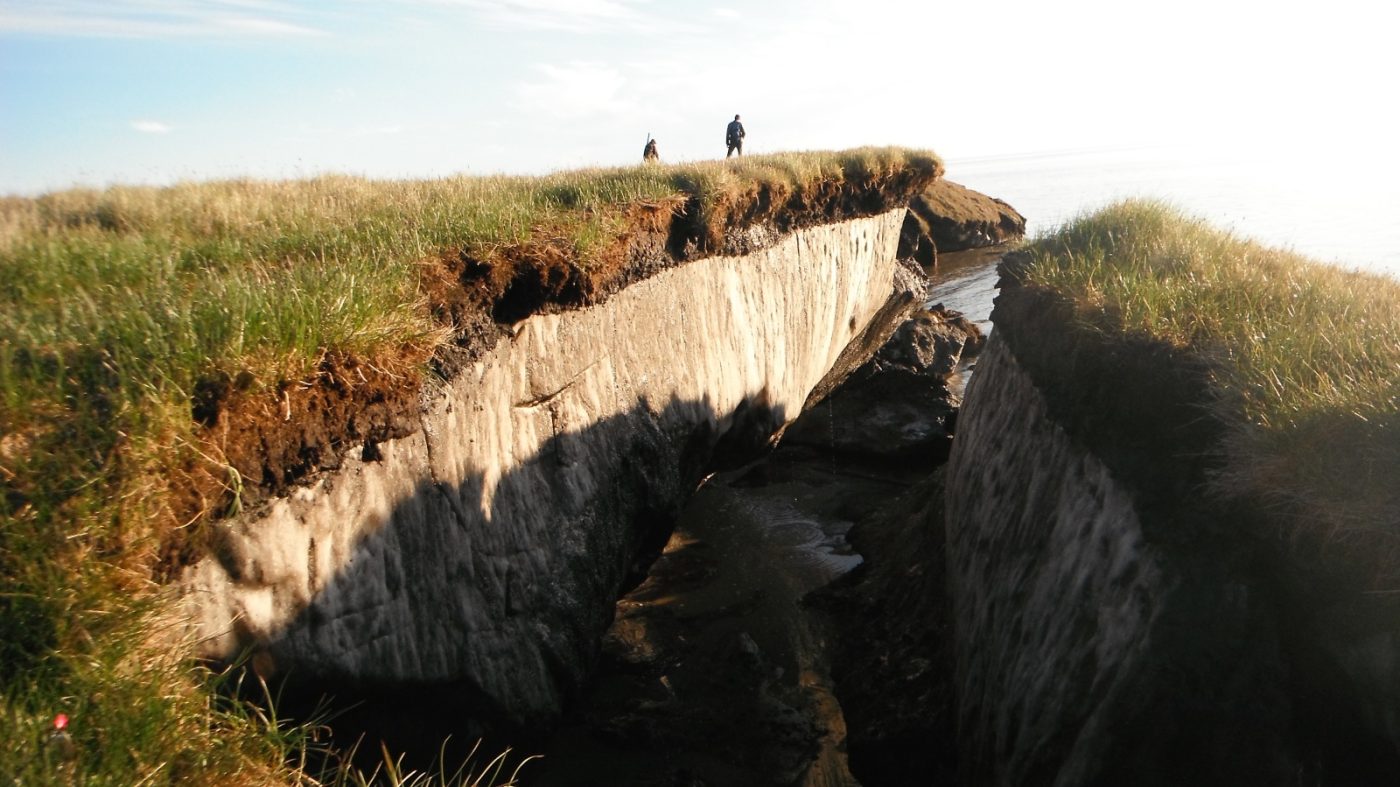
[[950, 217], [254, 442]]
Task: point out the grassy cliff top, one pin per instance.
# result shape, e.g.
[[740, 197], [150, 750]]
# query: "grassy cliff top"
[[1304, 358], [155, 341], [272, 274]]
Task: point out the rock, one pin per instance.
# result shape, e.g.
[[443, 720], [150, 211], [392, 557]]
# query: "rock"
[[710, 663]]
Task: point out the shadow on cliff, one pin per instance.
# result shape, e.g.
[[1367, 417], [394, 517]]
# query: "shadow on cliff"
[[504, 616], [1238, 672]]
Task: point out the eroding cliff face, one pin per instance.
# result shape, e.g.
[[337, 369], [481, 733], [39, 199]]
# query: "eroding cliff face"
[[484, 552], [1058, 593], [1116, 618]]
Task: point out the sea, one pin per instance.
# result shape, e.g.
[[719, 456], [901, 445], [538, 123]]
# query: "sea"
[[1340, 207]]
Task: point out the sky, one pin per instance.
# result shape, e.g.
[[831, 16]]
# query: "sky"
[[99, 92]]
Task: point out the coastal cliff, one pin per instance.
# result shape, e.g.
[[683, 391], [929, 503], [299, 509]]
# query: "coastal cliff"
[[402, 444], [1119, 614], [485, 551]]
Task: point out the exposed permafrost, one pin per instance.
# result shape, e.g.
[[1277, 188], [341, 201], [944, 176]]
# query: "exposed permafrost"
[[1116, 619], [484, 552], [1055, 588]]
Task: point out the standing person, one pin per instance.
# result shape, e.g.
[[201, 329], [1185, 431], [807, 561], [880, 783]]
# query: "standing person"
[[734, 137], [649, 153]]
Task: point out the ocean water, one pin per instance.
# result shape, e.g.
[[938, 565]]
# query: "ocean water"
[[1342, 208]]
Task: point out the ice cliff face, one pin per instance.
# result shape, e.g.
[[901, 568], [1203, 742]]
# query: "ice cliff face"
[[484, 552], [1116, 618], [1074, 629]]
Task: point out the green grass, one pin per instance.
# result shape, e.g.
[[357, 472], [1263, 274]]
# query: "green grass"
[[141, 714], [1306, 356], [116, 304]]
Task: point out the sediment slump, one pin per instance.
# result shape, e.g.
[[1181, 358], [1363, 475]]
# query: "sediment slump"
[[484, 552]]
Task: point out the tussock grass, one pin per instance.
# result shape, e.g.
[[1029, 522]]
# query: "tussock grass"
[[495, 772], [141, 714], [1306, 356], [116, 304]]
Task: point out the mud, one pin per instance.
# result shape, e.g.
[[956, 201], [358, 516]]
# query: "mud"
[[893, 664], [716, 670]]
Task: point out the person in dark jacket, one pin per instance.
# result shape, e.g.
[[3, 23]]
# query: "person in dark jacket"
[[734, 137], [649, 153]]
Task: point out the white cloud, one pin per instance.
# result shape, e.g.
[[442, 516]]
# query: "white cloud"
[[155, 18], [727, 13], [150, 126]]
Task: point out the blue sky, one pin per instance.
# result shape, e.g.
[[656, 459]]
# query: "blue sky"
[[150, 91]]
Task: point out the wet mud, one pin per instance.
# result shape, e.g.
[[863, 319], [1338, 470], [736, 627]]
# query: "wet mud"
[[717, 668]]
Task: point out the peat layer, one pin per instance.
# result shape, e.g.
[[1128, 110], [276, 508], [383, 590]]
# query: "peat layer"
[[949, 217]]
